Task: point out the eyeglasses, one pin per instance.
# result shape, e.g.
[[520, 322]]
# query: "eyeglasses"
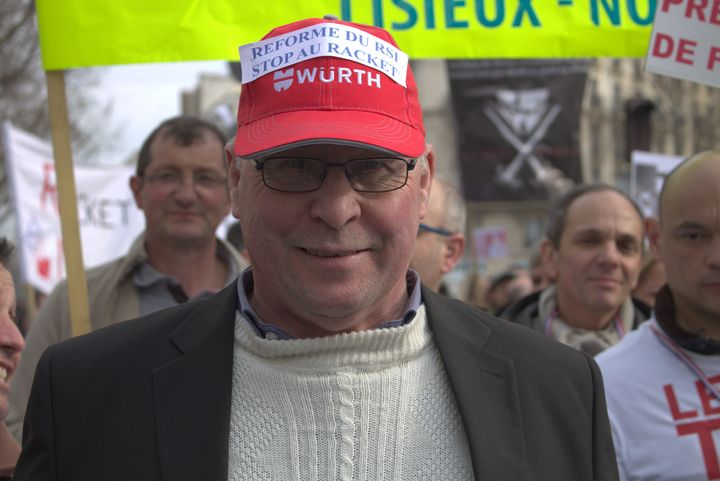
[[434, 230], [175, 178], [302, 174]]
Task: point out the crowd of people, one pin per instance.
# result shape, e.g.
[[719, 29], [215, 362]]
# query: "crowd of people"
[[316, 343]]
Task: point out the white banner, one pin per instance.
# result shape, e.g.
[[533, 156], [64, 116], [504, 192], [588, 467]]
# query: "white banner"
[[109, 219], [685, 42]]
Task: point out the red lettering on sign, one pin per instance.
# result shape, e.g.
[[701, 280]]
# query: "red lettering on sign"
[[666, 4], [675, 407], [686, 49], [663, 46], [697, 6], [715, 13], [704, 430], [714, 57], [49, 189]]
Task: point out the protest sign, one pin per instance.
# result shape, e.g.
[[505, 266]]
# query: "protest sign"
[[685, 41], [109, 219]]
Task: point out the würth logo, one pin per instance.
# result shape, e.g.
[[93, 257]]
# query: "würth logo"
[[284, 79]]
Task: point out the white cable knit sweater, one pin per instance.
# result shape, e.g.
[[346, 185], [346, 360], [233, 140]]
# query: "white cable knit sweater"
[[373, 405]]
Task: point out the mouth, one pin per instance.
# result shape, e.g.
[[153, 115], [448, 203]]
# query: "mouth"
[[3, 374], [324, 253], [606, 281], [186, 213]]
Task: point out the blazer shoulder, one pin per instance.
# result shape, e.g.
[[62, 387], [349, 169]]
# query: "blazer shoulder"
[[454, 322]]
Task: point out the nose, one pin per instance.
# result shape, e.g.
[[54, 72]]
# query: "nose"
[[610, 255], [185, 191], [335, 203], [713, 254]]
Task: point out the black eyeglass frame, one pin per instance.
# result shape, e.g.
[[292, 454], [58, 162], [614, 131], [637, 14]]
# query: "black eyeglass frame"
[[435, 230], [410, 164]]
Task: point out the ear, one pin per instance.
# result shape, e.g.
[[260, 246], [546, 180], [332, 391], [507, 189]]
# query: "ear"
[[548, 253], [136, 187], [454, 248], [233, 176], [426, 179], [652, 227]]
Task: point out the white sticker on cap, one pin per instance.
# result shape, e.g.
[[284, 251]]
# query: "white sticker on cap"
[[323, 40]]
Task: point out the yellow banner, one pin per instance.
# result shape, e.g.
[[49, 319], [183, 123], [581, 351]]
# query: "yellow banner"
[[80, 33]]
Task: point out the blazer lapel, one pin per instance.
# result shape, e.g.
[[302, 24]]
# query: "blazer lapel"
[[193, 393], [485, 388]]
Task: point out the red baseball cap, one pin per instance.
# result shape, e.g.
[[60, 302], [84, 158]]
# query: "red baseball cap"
[[351, 89]]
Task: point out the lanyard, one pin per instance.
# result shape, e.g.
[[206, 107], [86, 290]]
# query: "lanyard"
[[619, 328], [672, 346]]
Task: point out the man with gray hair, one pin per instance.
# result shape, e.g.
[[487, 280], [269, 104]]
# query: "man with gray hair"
[[327, 359], [180, 185], [441, 238]]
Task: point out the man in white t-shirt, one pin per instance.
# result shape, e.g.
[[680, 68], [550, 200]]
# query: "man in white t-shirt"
[[662, 380]]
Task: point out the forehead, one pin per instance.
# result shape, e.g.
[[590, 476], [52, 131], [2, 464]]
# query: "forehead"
[[604, 211], [205, 150], [436, 205], [694, 196], [6, 281]]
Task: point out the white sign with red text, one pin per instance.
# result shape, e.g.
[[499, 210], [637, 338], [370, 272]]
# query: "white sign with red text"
[[685, 42], [109, 220]]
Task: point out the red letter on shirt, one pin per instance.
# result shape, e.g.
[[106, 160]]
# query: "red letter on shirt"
[[675, 407]]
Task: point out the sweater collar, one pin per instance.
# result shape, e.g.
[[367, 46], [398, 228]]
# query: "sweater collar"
[[374, 347]]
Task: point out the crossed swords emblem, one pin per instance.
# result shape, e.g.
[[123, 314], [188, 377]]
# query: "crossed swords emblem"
[[522, 108]]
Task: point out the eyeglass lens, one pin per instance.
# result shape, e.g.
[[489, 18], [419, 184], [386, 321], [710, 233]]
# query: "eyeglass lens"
[[297, 174]]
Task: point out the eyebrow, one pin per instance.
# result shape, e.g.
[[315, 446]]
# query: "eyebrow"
[[601, 233], [688, 224]]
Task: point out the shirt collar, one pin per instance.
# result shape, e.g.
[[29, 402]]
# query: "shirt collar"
[[269, 331], [146, 275]]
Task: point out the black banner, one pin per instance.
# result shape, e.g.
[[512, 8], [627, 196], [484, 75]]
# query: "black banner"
[[518, 125]]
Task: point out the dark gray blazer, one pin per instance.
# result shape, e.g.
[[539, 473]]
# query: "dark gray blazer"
[[149, 399]]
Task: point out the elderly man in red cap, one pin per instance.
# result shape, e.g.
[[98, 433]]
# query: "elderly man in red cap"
[[328, 359]]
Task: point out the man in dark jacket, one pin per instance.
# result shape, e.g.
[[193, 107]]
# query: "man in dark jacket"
[[327, 359]]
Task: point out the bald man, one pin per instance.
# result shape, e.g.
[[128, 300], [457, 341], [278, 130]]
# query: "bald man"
[[662, 380], [440, 241]]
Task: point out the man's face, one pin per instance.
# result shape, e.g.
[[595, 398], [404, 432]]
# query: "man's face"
[[430, 249], [183, 191], [11, 341], [331, 260], [688, 242], [599, 257]]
